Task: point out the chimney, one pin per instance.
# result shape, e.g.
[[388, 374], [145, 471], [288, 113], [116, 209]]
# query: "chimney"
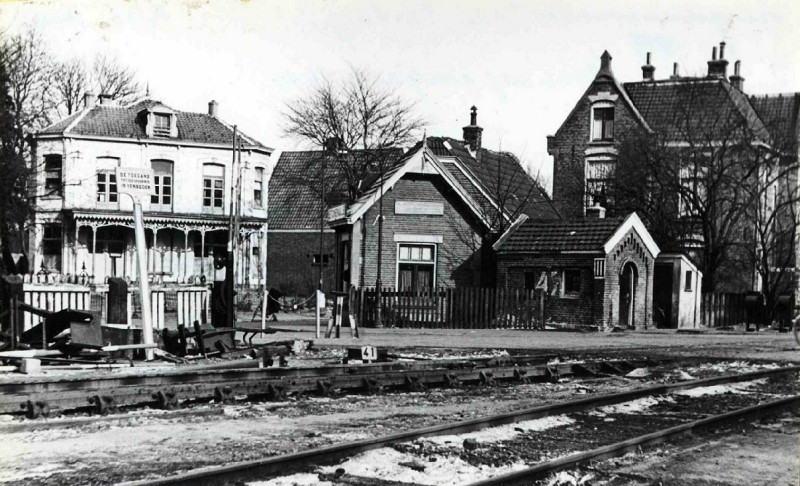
[[675, 74], [89, 100], [648, 70], [472, 132], [213, 108], [596, 212], [718, 68], [736, 80], [333, 144], [105, 99]]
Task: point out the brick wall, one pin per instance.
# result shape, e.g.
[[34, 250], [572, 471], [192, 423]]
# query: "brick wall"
[[599, 300], [585, 309], [458, 257], [568, 148], [289, 267]]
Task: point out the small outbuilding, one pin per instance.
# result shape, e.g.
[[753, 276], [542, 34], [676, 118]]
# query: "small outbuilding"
[[677, 292], [596, 271]]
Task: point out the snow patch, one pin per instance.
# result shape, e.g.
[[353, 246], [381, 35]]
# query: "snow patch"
[[299, 479], [447, 470], [634, 406], [721, 389], [504, 432]]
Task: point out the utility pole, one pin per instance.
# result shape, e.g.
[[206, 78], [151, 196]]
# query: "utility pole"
[[230, 313]]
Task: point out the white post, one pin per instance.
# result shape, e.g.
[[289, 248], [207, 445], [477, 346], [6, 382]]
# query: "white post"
[[144, 285]]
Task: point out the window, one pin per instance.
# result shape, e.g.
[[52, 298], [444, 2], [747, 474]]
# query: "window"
[[107, 187], [416, 266], [315, 259], [161, 199], [689, 276], [571, 283], [213, 188], [161, 125], [258, 189], [52, 175], [603, 124], [536, 279], [599, 182], [693, 190], [51, 246]]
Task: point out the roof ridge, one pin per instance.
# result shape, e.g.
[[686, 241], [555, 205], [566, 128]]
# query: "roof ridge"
[[77, 120], [788, 94]]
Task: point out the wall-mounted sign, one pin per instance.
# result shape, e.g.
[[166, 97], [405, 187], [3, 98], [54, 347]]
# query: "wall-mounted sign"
[[433, 208]]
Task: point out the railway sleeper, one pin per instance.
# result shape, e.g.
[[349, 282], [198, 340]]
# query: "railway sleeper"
[[35, 408], [223, 394], [103, 404], [371, 386], [166, 400]]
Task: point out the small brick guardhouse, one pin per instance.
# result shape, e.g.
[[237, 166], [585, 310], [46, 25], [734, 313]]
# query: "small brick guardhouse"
[[596, 271]]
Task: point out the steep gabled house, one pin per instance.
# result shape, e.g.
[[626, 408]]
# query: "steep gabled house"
[[696, 125], [444, 203], [82, 224]]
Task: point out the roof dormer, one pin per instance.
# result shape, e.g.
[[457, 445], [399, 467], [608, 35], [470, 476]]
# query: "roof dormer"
[[160, 121]]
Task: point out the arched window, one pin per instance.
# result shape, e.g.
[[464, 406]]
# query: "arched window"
[[161, 199], [213, 188]]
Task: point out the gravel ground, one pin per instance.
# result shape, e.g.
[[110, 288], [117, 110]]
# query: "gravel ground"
[[136, 446]]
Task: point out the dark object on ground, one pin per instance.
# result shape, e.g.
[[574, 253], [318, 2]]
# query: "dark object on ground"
[[54, 324], [273, 302]]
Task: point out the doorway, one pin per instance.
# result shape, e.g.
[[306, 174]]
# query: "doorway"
[[627, 295]]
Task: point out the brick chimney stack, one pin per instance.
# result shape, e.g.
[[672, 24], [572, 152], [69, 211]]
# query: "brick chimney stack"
[[718, 68], [736, 80], [472, 132], [648, 70], [675, 74], [213, 108], [89, 100]]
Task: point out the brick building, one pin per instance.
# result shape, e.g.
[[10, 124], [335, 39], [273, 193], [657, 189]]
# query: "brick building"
[[596, 271], [444, 203], [692, 118]]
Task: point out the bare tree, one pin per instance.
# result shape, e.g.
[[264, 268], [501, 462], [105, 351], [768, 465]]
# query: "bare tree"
[[109, 77], [363, 120], [70, 85]]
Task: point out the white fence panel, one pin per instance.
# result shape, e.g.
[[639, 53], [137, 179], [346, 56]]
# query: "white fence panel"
[[54, 298]]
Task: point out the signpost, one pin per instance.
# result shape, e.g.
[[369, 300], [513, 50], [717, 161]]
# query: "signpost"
[[137, 182]]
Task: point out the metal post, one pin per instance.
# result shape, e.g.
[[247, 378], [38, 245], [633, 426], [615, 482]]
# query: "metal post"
[[378, 283], [144, 285], [230, 315], [321, 237]]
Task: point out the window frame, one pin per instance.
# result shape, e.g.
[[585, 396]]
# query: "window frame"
[[53, 174], [212, 208], [158, 129], [159, 185], [688, 285], [416, 264], [258, 187], [607, 181], [107, 183], [606, 124]]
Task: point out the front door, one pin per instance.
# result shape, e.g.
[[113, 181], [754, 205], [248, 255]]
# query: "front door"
[[627, 295], [662, 295]]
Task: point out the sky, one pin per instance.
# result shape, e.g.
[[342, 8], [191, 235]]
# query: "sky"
[[524, 64]]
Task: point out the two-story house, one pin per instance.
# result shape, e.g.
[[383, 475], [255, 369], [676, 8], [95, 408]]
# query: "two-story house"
[[704, 124], [83, 224]]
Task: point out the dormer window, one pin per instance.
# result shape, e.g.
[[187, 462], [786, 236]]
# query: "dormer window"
[[603, 124], [161, 125]]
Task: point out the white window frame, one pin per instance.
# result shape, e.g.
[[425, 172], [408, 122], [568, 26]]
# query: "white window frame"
[[158, 129], [159, 185], [610, 175], [54, 174], [212, 209], [417, 244], [602, 105], [258, 186]]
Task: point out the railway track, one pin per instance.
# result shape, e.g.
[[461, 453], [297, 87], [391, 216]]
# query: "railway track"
[[167, 389], [668, 425]]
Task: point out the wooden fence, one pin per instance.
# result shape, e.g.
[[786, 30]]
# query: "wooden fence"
[[459, 308], [727, 309], [53, 298]]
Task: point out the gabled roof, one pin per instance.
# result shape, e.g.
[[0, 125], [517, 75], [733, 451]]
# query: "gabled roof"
[[598, 235], [293, 202], [780, 116], [705, 107], [113, 121]]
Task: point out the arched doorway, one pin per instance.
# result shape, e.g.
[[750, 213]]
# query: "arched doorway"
[[627, 295]]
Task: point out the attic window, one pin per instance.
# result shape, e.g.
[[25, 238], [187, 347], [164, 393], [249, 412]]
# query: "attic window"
[[161, 125]]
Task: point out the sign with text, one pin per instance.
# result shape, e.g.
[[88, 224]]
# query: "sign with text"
[[137, 182]]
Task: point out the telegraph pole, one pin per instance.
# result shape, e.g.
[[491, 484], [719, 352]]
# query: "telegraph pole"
[[378, 283], [230, 313], [319, 298]]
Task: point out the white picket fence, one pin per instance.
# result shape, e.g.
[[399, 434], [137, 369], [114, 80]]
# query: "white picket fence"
[[191, 302]]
